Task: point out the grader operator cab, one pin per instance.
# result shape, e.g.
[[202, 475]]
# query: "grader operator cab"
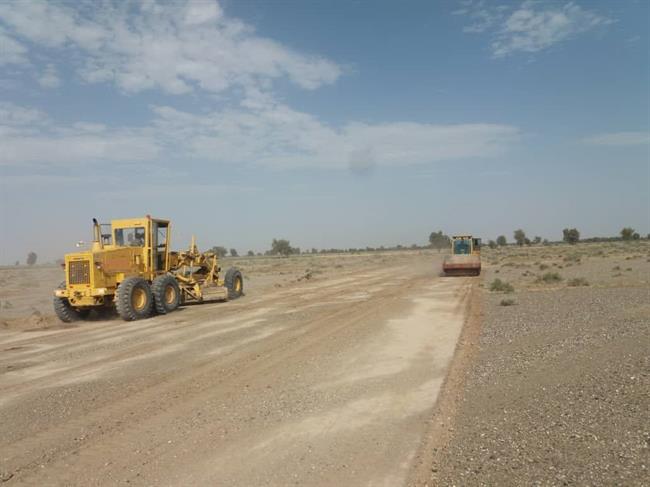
[[465, 258], [130, 266]]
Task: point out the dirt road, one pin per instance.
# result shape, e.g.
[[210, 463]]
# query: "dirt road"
[[327, 381]]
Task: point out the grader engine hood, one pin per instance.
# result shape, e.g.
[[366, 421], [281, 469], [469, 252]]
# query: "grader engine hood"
[[120, 260], [91, 275], [89, 267], [80, 285], [78, 268]]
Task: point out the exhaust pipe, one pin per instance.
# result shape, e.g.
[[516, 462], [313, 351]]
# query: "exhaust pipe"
[[97, 236]]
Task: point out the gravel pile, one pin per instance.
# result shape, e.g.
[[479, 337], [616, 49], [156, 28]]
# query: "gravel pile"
[[559, 393]]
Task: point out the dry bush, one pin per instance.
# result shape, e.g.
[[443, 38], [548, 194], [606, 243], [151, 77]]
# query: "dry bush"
[[577, 281], [500, 286], [507, 302], [573, 257], [550, 278]]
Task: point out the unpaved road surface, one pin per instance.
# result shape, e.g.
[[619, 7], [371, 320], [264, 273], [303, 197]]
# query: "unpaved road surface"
[[326, 381]]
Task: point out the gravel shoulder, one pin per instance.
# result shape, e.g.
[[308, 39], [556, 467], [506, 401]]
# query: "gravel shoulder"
[[559, 391]]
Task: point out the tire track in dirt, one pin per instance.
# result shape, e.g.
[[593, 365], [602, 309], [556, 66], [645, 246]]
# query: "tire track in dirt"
[[283, 342], [152, 334], [192, 412]]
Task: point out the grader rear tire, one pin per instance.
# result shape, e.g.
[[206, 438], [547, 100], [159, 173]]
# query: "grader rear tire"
[[65, 311], [166, 294], [234, 283], [133, 299]]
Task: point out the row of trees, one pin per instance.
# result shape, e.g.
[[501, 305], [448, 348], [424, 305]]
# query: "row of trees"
[[437, 240], [569, 235]]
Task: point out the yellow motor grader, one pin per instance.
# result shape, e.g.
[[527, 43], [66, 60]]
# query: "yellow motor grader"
[[130, 266]]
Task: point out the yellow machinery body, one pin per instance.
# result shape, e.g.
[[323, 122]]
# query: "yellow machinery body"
[[139, 249], [465, 257]]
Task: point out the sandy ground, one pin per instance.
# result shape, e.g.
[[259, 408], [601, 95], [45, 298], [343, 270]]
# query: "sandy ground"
[[343, 370], [325, 373]]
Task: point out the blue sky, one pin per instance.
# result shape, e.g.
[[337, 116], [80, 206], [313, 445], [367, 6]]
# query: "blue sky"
[[333, 124]]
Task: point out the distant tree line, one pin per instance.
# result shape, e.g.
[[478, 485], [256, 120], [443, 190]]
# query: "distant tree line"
[[437, 240], [569, 235]]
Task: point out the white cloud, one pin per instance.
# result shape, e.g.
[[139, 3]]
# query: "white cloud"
[[193, 46], [11, 51], [15, 120], [173, 46], [532, 27], [271, 135], [29, 136], [50, 77], [619, 139]]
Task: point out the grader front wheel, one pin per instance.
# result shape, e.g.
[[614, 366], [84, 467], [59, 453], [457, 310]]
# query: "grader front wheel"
[[65, 311], [134, 300]]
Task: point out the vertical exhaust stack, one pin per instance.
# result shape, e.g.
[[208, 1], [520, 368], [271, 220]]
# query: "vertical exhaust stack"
[[97, 236]]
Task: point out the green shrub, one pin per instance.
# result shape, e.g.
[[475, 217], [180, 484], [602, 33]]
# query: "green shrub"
[[578, 281], [500, 286], [550, 278], [574, 257], [543, 267], [571, 236]]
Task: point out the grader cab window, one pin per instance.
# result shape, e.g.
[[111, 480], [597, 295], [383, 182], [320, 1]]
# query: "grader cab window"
[[107, 233], [159, 244], [130, 237]]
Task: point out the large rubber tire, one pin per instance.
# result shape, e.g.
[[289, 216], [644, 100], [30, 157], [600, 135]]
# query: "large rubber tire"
[[65, 311], [234, 283], [166, 294], [133, 299]]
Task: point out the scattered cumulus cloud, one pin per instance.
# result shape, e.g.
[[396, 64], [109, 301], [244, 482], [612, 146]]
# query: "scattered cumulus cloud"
[[531, 27], [29, 136], [280, 137], [16, 116], [194, 47], [173, 46], [619, 139], [11, 51], [50, 77], [272, 135]]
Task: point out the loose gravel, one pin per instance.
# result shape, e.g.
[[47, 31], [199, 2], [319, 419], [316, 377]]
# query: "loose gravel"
[[559, 393]]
